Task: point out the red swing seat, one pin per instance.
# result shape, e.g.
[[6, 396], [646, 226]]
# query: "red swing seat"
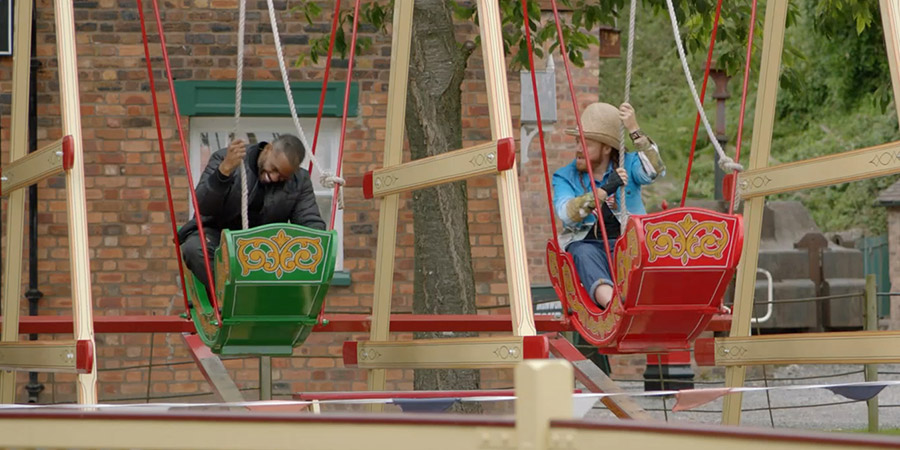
[[672, 270]]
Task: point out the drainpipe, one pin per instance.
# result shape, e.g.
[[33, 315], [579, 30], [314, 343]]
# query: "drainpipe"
[[721, 95], [33, 294]]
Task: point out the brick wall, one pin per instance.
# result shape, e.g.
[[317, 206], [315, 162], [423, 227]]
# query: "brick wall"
[[132, 257]]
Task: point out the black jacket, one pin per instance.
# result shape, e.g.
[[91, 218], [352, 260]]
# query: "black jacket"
[[219, 198]]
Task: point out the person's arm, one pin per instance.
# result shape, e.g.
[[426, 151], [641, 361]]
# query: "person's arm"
[[216, 180], [573, 207], [213, 187], [306, 211], [651, 163]]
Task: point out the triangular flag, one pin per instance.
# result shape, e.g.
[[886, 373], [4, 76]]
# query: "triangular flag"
[[425, 404], [279, 407], [692, 398], [581, 405], [858, 392]]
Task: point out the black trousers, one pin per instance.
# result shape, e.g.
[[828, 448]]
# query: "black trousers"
[[192, 252]]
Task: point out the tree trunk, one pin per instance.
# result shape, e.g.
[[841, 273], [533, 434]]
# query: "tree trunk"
[[444, 279]]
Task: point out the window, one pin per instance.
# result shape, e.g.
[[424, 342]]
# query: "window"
[[209, 134], [6, 29]]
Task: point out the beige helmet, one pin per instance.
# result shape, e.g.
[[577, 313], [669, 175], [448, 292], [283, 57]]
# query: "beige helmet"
[[601, 123]]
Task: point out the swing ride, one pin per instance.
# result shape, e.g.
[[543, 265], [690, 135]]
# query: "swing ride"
[[271, 281], [695, 249]]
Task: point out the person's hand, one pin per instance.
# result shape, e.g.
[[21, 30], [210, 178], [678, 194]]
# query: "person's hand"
[[236, 152], [619, 177], [626, 113]]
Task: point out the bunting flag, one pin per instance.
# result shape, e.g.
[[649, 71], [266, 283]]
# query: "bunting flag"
[[691, 398], [425, 404], [279, 407], [858, 392], [581, 405]]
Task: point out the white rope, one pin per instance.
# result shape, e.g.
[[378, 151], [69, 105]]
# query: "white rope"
[[622, 210], [725, 162], [499, 398], [239, 81], [328, 179]]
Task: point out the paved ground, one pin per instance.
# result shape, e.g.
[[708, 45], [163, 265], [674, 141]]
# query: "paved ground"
[[793, 408]]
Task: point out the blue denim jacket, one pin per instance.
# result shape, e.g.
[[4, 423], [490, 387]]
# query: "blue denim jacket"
[[569, 183]]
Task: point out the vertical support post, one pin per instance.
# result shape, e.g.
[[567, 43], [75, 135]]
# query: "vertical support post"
[[507, 181], [15, 210], [265, 378], [763, 123], [393, 153], [33, 294], [70, 106], [543, 393], [871, 317], [890, 19]]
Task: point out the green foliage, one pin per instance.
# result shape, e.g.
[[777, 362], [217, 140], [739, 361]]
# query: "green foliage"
[[835, 85], [828, 103]]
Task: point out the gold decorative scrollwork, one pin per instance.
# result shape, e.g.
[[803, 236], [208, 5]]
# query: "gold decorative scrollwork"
[[625, 261], [279, 254], [686, 239], [553, 262], [600, 326]]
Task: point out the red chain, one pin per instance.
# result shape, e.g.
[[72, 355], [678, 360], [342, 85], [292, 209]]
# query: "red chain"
[[162, 154], [740, 130], [712, 44], [537, 109]]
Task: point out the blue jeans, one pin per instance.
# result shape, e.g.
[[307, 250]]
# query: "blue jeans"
[[590, 261]]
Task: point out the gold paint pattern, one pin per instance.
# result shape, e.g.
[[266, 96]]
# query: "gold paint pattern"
[[686, 239], [599, 326], [223, 272], [279, 254], [625, 262]]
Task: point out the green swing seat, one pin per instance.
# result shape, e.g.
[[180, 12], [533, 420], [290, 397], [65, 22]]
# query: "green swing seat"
[[270, 283]]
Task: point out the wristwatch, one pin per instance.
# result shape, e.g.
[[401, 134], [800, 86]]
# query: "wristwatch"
[[636, 134]]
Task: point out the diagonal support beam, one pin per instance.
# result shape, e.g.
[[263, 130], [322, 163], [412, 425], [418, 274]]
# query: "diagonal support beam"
[[44, 163], [213, 369], [459, 353], [484, 159], [47, 356], [827, 170], [853, 347], [596, 380]]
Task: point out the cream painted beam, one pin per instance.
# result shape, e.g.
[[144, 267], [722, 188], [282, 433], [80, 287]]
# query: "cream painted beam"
[[47, 356], [390, 205], [15, 207], [458, 353], [827, 170], [176, 430], [36, 166], [761, 145], [571, 434], [511, 221], [483, 159], [852, 347], [890, 19], [79, 259]]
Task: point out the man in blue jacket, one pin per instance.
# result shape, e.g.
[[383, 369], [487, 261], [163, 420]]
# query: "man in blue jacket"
[[574, 202]]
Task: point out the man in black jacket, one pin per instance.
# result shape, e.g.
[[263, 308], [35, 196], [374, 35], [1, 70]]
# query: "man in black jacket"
[[278, 191]]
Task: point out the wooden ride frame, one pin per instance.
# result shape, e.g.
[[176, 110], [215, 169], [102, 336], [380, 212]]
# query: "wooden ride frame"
[[74, 356], [740, 349], [461, 352], [543, 420]]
